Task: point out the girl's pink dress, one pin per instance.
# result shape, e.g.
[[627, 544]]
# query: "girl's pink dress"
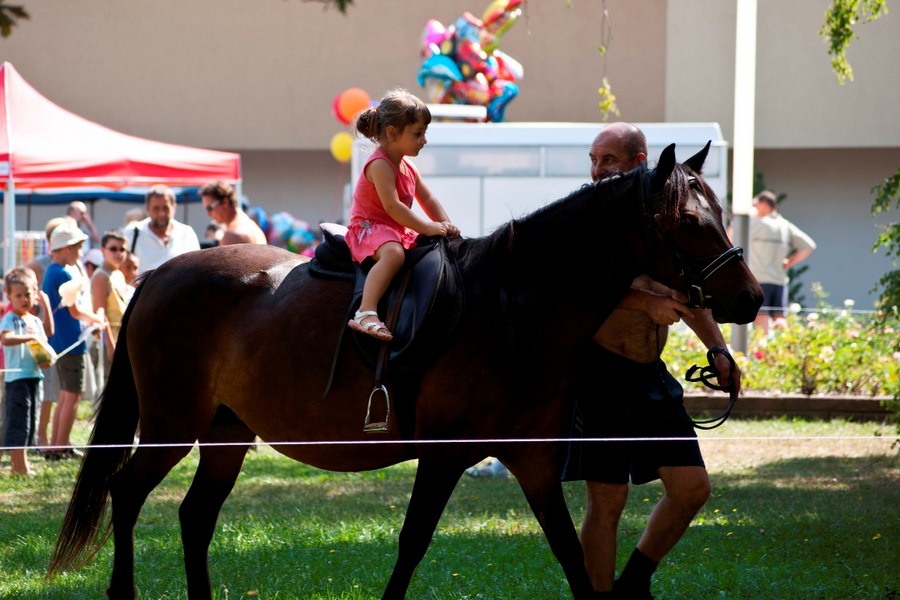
[[370, 225]]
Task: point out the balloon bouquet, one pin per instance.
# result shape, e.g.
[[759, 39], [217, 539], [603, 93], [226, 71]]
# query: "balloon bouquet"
[[462, 64], [345, 107], [292, 234]]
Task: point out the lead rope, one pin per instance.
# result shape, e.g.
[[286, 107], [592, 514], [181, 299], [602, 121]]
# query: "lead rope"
[[705, 376]]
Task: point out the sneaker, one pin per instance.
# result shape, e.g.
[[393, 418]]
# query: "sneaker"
[[495, 468]]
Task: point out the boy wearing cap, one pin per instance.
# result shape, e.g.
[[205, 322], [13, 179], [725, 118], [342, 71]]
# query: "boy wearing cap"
[[66, 242]]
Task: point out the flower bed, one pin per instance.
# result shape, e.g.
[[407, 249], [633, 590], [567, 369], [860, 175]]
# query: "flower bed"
[[826, 358]]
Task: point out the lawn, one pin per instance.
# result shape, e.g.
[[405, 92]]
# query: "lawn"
[[800, 509]]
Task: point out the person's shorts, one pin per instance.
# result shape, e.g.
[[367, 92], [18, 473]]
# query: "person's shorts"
[[775, 297], [70, 371], [365, 238], [20, 407], [50, 384], [619, 398]]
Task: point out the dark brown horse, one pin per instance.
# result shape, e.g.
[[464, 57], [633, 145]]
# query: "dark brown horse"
[[229, 343]]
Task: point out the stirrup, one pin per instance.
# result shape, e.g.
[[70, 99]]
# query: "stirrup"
[[378, 426]]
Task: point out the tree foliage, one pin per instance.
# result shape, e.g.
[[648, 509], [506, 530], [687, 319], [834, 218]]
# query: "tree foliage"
[[10, 15], [838, 31], [887, 197], [340, 5], [840, 19]]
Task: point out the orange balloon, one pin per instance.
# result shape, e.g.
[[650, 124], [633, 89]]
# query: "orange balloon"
[[350, 103]]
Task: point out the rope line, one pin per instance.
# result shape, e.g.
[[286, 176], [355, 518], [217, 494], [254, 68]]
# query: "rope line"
[[885, 438]]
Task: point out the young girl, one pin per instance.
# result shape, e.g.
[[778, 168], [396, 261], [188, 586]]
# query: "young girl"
[[382, 223]]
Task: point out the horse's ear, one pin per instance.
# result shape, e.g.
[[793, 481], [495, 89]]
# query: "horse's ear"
[[664, 167], [695, 163]]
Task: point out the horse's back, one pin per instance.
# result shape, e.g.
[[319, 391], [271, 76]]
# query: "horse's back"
[[251, 329]]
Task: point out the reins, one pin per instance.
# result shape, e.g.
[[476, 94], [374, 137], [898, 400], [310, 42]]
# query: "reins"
[[705, 375]]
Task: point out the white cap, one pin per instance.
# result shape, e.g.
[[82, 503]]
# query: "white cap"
[[94, 256], [66, 234]]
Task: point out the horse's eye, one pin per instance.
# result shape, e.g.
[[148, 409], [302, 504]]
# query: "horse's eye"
[[689, 220]]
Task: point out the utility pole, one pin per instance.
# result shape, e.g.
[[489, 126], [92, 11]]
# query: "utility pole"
[[744, 142]]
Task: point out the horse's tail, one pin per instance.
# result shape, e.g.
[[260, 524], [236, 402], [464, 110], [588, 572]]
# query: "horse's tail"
[[86, 527]]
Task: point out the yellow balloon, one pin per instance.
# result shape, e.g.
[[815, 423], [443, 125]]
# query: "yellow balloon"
[[342, 146]]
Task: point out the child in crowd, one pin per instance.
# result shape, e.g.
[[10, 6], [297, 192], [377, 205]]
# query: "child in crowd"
[[129, 268], [66, 242], [382, 223], [18, 328]]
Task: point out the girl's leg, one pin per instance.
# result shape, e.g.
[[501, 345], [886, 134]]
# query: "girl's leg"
[[388, 260]]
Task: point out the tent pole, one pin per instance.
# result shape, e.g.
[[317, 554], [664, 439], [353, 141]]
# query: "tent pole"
[[9, 226]]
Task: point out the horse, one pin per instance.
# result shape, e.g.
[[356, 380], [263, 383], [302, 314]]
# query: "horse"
[[216, 344]]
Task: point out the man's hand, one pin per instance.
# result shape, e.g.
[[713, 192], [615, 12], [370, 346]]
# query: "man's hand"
[[664, 310], [727, 374]]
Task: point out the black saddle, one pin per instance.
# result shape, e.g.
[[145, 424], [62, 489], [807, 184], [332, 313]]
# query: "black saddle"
[[431, 299]]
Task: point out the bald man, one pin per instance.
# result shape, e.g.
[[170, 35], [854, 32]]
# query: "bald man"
[[625, 390], [78, 210]]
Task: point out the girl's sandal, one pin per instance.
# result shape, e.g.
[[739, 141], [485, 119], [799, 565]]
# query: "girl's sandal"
[[375, 328]]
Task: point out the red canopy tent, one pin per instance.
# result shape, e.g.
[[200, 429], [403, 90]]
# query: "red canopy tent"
[[45, 148]]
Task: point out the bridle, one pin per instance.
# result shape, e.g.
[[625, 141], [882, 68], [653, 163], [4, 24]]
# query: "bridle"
[[697, 270], [694, 271]]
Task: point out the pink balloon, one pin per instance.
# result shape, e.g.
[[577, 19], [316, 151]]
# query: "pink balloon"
[[434, 33]]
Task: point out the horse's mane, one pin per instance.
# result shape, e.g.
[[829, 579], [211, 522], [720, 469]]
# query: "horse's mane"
[[547, 234]]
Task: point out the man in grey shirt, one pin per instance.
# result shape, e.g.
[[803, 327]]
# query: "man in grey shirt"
[[776, 245]]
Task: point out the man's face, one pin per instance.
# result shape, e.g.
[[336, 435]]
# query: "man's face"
[[762, 208], [161, 211], [608, 156]]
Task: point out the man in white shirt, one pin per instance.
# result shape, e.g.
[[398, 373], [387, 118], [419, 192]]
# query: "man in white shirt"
[[159, 237], [776, 245]]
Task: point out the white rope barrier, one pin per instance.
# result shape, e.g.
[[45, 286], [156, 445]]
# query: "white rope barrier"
[[813, 438]]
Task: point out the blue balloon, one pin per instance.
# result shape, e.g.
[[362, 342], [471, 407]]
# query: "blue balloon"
[[440, 66]]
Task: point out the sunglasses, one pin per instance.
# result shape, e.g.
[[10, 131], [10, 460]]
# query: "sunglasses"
[[212, 205], [115, 248]]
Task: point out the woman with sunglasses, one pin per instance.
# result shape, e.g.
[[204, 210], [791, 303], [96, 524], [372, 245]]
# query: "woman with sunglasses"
[[109, 291]]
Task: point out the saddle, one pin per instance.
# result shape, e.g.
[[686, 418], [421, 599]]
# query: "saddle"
[[424, 304], [431, 303]]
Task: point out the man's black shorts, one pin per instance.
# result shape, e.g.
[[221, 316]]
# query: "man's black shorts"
[[616, 398]]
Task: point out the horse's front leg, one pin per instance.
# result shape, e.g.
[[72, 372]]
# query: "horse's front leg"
[[431, 491], [539, 478]]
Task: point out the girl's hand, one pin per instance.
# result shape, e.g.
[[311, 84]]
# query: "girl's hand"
[[435, 228], [451, 229]]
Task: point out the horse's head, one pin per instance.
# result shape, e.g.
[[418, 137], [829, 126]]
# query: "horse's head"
[[688, 247]]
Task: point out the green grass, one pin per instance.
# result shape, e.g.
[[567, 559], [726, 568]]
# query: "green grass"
[[790, 517]]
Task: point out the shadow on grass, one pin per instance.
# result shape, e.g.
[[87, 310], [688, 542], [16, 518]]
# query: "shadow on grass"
[[800, 527]]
